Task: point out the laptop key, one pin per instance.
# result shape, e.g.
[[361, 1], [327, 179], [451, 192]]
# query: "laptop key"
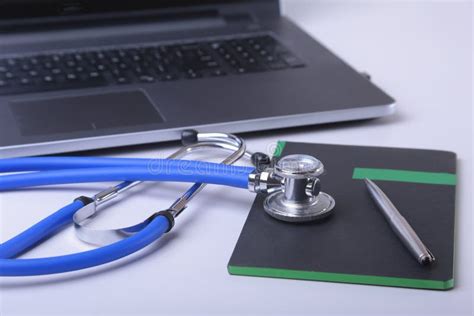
[[147, 78], [292, 61], [277, 65], [122, 80], [48, 79], [218, 73], [71, 76], [168, 77], [25, 81]]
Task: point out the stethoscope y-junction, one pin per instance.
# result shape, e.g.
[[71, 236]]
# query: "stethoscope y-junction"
[[292, 186]]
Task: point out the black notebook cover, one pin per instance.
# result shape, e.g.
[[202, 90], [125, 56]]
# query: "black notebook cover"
[[356, 244]]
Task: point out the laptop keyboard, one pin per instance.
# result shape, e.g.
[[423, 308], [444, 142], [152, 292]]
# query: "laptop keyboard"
[[143, 64]]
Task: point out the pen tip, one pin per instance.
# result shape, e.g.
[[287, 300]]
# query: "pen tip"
[[427, 260]]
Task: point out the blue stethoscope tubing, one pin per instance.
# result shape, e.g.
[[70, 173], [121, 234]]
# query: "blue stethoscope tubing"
[[65, 170], [41, 171]]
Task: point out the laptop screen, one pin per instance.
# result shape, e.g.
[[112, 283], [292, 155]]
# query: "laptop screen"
[[24, 9]]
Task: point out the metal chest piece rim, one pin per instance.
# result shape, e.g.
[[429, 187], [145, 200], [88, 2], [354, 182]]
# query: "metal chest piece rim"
[[300, 199]]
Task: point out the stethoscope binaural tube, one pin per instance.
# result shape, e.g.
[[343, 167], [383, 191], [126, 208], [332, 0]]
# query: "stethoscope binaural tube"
[[192, 142]]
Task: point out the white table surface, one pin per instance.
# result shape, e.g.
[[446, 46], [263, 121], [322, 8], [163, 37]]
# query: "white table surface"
[[418, 51]]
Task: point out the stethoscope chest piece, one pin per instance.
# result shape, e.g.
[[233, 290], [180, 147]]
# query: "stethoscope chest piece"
[[300, 199]]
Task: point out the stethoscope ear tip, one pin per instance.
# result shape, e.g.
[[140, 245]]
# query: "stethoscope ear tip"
[[189, 137]]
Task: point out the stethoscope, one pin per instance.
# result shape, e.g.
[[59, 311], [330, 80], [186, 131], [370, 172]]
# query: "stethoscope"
[[292, 186]]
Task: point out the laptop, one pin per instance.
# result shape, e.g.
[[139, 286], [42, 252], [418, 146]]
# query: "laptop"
[[87, 74]]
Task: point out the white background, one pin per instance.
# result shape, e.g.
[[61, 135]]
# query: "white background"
[[418, 51]]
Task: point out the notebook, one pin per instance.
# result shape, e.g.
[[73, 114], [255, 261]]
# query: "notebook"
[[356, 244]]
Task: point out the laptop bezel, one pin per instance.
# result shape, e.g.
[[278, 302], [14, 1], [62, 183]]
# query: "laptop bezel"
[[12, 10]]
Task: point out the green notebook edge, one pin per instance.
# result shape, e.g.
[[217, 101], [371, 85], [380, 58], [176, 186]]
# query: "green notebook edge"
[[359, 173], [341, 278]]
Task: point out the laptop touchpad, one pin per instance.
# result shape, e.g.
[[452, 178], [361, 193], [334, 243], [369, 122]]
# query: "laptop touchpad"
[[83, 113]]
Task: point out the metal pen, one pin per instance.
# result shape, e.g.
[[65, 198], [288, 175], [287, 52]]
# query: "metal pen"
[[400, 225]]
